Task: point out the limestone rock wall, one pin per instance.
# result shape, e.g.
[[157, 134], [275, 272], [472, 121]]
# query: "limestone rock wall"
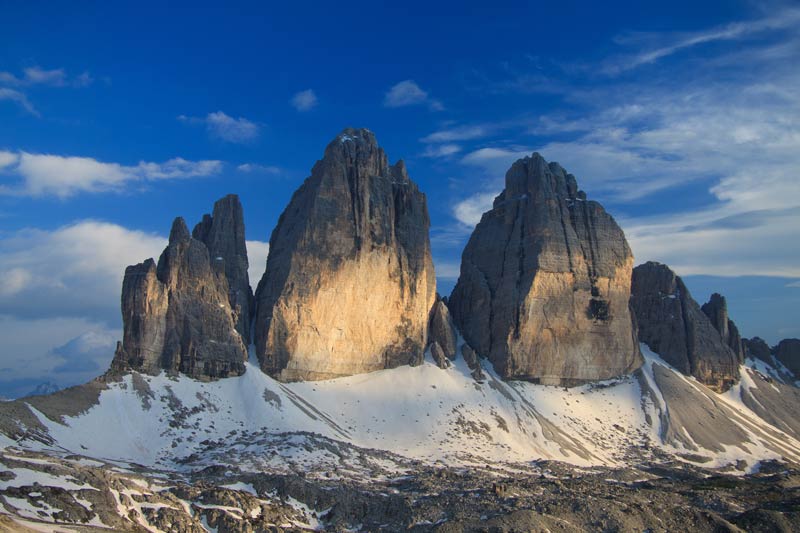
[[223, 234], [349, 282], [545, 283], [672, 324], [177, 314]]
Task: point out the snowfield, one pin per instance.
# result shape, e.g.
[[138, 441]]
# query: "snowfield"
[[386, 420]]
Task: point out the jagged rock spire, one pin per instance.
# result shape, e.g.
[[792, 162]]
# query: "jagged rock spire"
[[177, 315], [349, 281], [545, 282], [673, 326]]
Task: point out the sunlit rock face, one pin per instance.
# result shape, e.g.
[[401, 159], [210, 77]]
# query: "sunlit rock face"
[[672, 324], [177, 315], [349, 282], [545, 281]]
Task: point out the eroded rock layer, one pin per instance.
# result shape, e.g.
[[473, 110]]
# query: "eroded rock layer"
[[177, 315], [672, 324], [349, 281], [545, 283]]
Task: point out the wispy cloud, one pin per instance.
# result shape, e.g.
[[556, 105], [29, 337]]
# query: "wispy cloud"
[[65, 176], [18, 98], [408, 93], [255, 168], [52, 77], [457, 133], [304, 100], [787, 18], [224, 127], [441, 150]]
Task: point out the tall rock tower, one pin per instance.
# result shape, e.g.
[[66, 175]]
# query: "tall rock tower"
[[545, 283], [349, 281], [177, 315]]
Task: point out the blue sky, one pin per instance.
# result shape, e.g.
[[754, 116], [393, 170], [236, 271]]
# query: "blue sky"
[[681, 118]]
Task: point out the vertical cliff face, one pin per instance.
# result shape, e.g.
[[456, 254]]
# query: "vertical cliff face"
[[223, 234], [788, 353], [673, 325], [349, 281], [716, 309], [177, 315], [545, 283]]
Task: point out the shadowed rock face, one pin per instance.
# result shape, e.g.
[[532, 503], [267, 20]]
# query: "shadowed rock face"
[[545, 283], [788, 353], [758, 348], [177, 314], [673, 325], [716, 309], [441, 330], [223, 234], [349, 282]]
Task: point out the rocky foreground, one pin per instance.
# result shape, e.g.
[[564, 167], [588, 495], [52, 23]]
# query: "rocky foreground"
[[73, 493]]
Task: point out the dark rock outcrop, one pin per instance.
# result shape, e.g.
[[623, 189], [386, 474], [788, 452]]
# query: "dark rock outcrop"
[[177, 315], [788, 353], [349, 283], [471, 358], [438, 355], [758, 348], [545, 283], [716, 309], [441, 329], [223, 234], [673, 325]]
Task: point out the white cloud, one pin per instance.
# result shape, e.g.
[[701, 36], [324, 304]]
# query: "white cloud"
[[408, 93], [221, 126], [235, 130], [7, 159], [257, 252], [75, 270], [18, 98], [441, 150], [459, 133], [470, 210], [65, 176], [794, 284], [255, 168], [304, 100], [447, 270], [36, 75]]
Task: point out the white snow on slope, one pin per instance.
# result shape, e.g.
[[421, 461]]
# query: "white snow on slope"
[[421, 413]]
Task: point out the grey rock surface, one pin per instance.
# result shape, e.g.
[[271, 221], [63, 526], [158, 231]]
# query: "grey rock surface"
[[439, 357], [223, 234], [442, 330], [349, 283], [672, 324], [758, 348], [788, 353], [177, 314], [716, 309], [545, 283]]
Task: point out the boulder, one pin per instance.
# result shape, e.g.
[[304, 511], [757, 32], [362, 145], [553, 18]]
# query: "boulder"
[[672, 324], [349, 283], [545, 279]]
